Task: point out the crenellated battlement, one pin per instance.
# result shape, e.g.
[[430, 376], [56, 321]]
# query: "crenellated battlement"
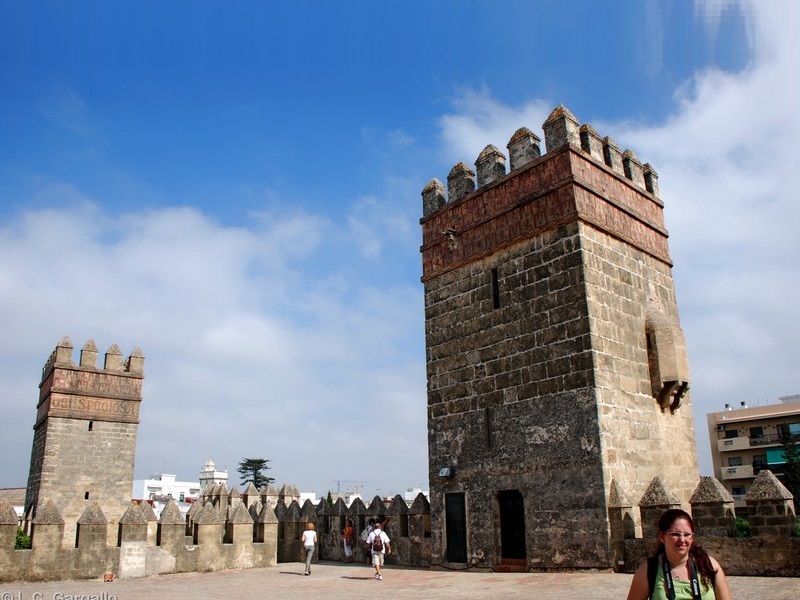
[[772, 548], [582, 177], [561, 129], [113, 362], [236, 530]]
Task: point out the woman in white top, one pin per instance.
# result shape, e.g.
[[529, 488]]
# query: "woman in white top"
[[309, 539]]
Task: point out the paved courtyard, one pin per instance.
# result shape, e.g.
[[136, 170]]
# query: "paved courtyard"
[[334, 581]]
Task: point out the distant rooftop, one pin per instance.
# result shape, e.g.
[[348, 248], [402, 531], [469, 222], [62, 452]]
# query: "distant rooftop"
[[14, 496]]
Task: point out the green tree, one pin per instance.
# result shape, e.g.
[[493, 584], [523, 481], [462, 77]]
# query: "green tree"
[[250, 470], [330, 498], [790, 448], [23, 541]]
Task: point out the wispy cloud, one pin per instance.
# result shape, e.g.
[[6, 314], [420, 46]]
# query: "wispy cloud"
[[245, 340], [479, 119]]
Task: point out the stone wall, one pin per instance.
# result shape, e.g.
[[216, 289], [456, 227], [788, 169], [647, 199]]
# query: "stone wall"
[[408, 528], [772, 550], [225, 530], [626, 290], [143, 546], [239, 531]]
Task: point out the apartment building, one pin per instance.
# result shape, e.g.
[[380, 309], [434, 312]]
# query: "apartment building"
[[746, 440]]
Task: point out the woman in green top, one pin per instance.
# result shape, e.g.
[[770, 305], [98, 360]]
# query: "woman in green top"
[[685, 571]]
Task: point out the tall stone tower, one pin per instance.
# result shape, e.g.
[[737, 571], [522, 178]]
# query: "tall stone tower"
[[557, 369], [84, 439]]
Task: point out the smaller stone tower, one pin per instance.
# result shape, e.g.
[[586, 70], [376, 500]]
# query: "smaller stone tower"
[[84, 439]]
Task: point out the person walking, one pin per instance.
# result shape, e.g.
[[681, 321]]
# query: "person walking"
[[378, 544], [680, 569], [309, 539]]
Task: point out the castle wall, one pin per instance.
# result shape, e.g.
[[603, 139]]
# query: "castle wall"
[[216, 536]]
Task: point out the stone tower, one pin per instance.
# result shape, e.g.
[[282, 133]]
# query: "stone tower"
[[557, 369], [84, 438]]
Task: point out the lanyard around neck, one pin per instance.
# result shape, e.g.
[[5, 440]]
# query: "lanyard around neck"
[[670, 587]]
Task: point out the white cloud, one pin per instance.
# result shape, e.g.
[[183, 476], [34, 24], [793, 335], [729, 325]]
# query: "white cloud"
[[372, 222], [479, 120], [249, 348]]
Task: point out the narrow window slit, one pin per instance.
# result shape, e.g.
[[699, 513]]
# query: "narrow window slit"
[[495, 289]]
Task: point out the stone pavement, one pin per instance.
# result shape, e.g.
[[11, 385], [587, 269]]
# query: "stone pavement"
[[333, 581]]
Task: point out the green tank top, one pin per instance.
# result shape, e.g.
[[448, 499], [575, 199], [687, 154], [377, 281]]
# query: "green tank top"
[[683, 588]]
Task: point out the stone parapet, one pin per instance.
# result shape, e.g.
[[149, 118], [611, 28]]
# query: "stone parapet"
[[773, 549], [712, 508], [770, 507], [133, 555]]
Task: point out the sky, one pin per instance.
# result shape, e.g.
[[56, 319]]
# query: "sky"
[[234, 188]]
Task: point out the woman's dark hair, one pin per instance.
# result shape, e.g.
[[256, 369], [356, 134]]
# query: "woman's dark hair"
[[696, 551]]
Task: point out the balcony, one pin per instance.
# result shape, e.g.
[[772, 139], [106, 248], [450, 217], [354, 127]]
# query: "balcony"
[[740, 472], [737, 443], [767, 440]]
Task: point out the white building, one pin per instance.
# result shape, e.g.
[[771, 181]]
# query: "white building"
[[210, 476], [161, 486], [307, 496], [412, 493]]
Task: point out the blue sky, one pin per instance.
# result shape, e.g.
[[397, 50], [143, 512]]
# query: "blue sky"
[[235, 188]]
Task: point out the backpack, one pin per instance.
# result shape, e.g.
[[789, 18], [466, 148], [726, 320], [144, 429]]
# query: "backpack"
[[377, 542]]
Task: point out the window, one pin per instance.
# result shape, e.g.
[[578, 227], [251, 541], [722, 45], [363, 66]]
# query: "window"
[[788, 428], [756, 432], [738, 490], [495, 289], [731, 433], [735, 461], [404, 525]]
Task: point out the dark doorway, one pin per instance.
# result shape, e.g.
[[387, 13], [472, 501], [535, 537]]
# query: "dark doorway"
[[512, 524], [455, 515]]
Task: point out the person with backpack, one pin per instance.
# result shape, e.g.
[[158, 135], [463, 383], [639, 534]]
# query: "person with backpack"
[[378, 545], [680, 569]]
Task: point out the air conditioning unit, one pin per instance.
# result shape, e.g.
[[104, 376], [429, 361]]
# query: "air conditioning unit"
[[720, 427]]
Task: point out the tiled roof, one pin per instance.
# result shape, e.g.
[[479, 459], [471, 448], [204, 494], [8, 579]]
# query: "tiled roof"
[[14, 496]]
